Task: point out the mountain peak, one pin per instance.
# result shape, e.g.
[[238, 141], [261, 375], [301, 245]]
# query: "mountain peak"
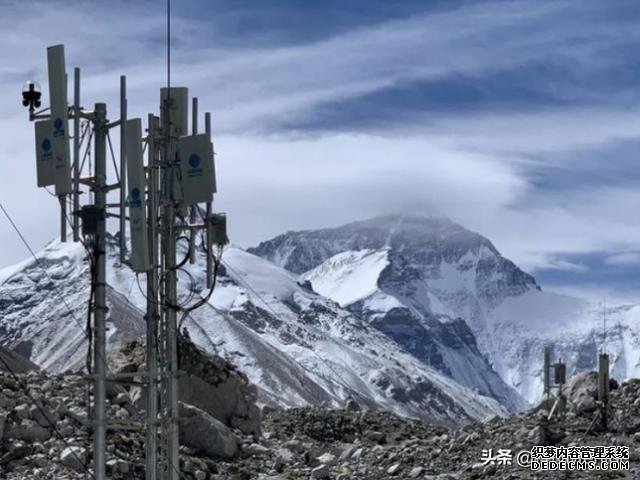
[[420, 238]]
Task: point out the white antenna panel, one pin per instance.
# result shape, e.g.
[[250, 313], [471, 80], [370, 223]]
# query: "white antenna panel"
[[179, 109], [196, 168], [44, 154], [59, 120], [140, 261]]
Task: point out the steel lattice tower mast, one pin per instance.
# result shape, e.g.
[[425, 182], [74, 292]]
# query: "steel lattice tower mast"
[[179, 176]]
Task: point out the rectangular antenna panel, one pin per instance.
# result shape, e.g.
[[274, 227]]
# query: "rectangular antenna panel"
[[140, 261], [59, 120], [179, 114], [196, 169], [44, 154]]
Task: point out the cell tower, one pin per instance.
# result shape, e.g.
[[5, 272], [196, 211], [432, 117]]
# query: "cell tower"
[[164, 202]]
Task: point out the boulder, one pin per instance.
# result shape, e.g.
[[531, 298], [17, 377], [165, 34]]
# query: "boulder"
[[217, 387], [203, 433], [74, 458], [582, 392], [208, 382], [321, 471], [3, 419], [29, 431]]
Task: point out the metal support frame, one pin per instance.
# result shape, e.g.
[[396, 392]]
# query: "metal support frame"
[[123, 168], [208, 233], [193, 210], [151, 457], [168, 162], [99, 328], [76, 154], [63, 217], [163, 207]]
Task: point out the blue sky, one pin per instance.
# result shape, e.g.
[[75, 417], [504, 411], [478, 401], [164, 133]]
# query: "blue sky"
[[519, 119]]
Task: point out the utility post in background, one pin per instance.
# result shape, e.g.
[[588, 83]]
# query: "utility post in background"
[[546, 365], [603, 388]]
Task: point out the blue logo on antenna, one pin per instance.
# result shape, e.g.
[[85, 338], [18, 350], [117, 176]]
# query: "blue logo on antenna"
[[46, 144], [134, 198], [58, 127], [194, 161]]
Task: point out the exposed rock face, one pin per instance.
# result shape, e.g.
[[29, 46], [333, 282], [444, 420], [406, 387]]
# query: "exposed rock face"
[[210, 383]]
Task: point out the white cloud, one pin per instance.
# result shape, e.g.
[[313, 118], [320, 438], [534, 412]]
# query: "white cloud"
[[624, 259], [471, 169]]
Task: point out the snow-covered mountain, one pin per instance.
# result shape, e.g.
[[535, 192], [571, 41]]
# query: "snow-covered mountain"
[[432, 285], [297, 346]]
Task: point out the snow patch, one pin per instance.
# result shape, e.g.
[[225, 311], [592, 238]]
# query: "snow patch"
[[349, 276]]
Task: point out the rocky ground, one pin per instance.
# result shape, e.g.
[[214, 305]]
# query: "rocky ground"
[[44, 434]]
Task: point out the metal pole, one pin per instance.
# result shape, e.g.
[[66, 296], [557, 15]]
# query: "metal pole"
[[192, 210], [169, 253], [63, 217], [152, 310], [209, 264], [99, 433], [76, 154], [123, 167]]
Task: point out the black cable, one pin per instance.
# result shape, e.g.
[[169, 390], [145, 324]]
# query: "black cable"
[[205, 299], [93, 276], [26, 244]]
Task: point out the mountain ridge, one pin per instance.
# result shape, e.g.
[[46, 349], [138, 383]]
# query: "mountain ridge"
[[437, 270]]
